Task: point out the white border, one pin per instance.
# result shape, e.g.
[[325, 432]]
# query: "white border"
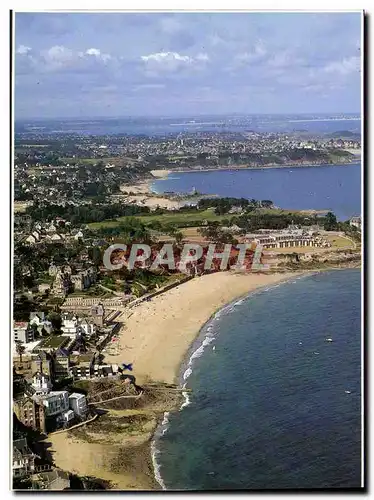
[[117, 6]]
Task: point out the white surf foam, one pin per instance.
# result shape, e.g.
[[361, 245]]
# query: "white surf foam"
[[156, 465], [187, 373], [187, 401]]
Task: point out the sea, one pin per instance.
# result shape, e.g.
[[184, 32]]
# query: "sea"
[[273, 403], [326, 187]]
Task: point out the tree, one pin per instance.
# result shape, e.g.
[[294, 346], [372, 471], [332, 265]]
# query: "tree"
[[178, 236], [20, 348], [55, 319], [330, 222]]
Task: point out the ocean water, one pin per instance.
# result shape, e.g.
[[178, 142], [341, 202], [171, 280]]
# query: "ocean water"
[[161, 126], [273, 404], [336, 188]]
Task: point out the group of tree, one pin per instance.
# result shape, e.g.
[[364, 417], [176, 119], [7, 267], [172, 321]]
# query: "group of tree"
[[224, 205], [84, 214]]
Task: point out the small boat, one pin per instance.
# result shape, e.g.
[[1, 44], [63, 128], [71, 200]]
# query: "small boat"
[[214, 348], [347, 392], [329, 340], [300, 343], [316, 352]]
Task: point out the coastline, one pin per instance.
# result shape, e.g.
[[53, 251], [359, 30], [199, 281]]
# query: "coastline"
[[162, 174], [160, 337], [157, 337]]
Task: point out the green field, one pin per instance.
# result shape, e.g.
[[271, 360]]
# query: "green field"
[[178, 219]]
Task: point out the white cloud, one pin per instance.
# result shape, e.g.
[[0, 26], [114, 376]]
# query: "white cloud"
[[93, 52], [345, 67], [97, 53], [161, 57], [23, 50], [58, 55]]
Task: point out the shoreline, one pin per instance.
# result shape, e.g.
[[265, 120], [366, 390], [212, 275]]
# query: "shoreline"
[[159, 353], [162, 174]]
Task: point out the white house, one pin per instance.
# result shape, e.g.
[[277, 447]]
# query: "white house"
[[356, 222], [78, 235], [56, 402], [78, 404]]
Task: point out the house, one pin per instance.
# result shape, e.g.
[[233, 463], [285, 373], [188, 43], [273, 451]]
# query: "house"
[[55, 479], [51, 228], [84, 368], [22, 332], [31, 240], [78, 403], [355, 222], [39, 320], [56, 238], [31, 364], [55, 403], [30, 412], [51, 344], [78, 236], [23, 459], [61, 364], [44, 287], [41, 384]]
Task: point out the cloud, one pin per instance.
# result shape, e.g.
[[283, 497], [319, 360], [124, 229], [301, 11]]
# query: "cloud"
[[23, 50], [58, 56], [97, 53], [345, 67], [165, 57]]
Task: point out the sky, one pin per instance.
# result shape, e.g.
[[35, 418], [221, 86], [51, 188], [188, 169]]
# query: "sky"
[[182, 64]]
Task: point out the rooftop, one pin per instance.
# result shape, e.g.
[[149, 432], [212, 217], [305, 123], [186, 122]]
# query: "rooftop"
[[53, 342]]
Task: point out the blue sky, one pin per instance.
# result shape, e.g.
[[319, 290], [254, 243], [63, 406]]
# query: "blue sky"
[[165, 64]]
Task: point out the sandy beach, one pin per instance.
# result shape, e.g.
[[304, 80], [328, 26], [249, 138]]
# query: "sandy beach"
[[156, 335]]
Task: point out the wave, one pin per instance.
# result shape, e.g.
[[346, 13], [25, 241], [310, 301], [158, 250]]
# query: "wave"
[[156, 465], [187, 401]]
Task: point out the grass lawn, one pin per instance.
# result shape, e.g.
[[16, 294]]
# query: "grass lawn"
[[339, 241], [177, 218]]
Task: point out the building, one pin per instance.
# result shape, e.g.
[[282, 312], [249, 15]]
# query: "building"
[[55, 403], [97, 314], [72, 325], [52, 344], [84, 368], [41, 383], [23, 459], [55, 479], [30, 412], [39, 320], [61, 364], [293, 236], [31, 364], [22, 332], [78, 403], [355, 222]]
